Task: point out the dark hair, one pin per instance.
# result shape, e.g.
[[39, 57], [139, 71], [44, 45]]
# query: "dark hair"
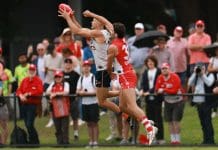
[[50, 48], [119, 29], [152, 58], [22, 54]]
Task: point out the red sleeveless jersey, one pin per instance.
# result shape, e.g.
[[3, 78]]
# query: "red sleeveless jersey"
[[122, 58]]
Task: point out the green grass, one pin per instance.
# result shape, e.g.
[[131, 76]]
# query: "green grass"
[[191, 133]]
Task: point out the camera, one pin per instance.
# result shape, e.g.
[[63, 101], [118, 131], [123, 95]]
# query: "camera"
[[198, 69], [85, 90]]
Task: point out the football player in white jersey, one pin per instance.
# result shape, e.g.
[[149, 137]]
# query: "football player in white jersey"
[[100, 39]]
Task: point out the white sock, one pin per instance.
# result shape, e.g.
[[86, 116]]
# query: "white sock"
[[91, 143], [76, 132], [173, 137], [177, 137], [95, 143]]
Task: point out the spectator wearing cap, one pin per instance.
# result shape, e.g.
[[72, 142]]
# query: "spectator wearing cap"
[[67, 53], [137, 55], [203, 82], [29, 91], [39, 61], [58, 92], [162, 53], [169, 83], [72, 77], [53, 62], [67, 41], [178, 46], [196, 42], [90, 109]]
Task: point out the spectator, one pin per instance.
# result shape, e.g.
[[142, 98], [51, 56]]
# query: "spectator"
[[162, 53], [178, 48], [67, 53], [72, 77], [213, 68], [137, 55], [46, 43], [7, 89], [21, 69], [196, 42], [40, 60], [30, 87], [90, 110], [67, 41], [153, 103], [169, 83], [88, 55], [4, 114], [162, 28], [201, 83], [58, 91], [53, 62]]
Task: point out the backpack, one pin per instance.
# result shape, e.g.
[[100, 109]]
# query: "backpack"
[[92, 79], [18, 136]]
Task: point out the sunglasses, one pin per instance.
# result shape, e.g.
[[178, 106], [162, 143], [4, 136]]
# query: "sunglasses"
[[67, 34], [200, 26], [68, 62]]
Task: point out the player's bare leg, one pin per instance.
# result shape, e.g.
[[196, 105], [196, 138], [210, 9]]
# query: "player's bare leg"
[[129, 106], [102, 95]]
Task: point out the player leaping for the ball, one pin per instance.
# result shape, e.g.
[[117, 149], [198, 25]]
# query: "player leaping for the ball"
[[99, 44], [118, 53]]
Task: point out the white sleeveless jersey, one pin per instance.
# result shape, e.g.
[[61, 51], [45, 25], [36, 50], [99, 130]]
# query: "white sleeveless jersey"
[[100, 51]]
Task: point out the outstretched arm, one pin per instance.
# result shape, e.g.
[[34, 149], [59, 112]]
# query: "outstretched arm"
[[101, 19], [75, 21], [85, 32]]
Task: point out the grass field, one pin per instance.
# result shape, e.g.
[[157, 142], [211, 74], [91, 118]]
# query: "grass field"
[[191, 133]]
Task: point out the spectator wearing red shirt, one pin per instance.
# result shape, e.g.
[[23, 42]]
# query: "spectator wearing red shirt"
[[30, 86], [169, 83], [68, 42]]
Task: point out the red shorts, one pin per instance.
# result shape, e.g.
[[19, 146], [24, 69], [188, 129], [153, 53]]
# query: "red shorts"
[[128, 80]]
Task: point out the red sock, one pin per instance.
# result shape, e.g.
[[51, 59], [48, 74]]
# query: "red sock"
[[146, 124]]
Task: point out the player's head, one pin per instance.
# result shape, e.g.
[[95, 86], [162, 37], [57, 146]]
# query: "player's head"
[[96, 24], [119, 29]]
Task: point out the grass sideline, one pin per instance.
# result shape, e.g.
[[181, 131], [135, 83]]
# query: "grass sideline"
[[191, 133]]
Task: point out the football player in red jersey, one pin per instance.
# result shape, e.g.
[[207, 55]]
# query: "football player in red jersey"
[[118, 57]]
